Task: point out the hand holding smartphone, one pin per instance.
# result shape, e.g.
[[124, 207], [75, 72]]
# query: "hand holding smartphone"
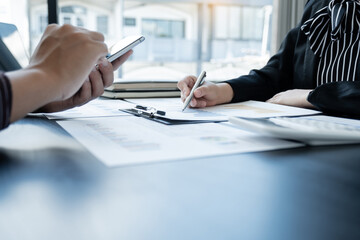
[[123, 46]]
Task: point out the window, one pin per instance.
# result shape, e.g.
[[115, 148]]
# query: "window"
[[232, 37], [177, 29], [231, 32], [238, 22], [102, 24], [73, 10], [74, 15], [163, 28], [130, 22], [43, 22], [66, 20], [80, 22], [252, 23]]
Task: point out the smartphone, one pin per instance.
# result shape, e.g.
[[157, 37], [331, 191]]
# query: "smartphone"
[[123, 46]]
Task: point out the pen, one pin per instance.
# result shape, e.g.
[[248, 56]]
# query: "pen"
[[197, 84]]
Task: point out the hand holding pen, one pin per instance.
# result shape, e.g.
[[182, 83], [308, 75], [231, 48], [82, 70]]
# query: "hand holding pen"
[[205, 94], [198, 83]]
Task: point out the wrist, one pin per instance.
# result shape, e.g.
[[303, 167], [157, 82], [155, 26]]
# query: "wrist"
[[225, 93], [307, 104], [32, 88], [46, 82]]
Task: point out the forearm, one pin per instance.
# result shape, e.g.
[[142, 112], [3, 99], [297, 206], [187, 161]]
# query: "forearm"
[[30, 90]]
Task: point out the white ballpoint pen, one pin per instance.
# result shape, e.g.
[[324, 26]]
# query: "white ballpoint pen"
[[197, 84]]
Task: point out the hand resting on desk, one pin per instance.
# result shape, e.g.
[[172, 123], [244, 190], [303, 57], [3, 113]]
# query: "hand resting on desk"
[[294, 97]]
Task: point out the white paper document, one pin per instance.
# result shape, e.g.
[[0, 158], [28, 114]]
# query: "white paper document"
[[248, 109], [256, 109], [96, 108], [173, 107], [119, 141], [313, 130]]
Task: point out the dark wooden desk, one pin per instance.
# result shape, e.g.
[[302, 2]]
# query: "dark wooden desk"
[[65, 193]]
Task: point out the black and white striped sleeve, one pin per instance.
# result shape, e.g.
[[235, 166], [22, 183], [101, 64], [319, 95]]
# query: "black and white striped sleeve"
[[5, 101]]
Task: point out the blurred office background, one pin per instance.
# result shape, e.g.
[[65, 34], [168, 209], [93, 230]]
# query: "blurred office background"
[[225, 37]]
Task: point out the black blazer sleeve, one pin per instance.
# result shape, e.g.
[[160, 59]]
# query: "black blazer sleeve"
[[337, 98], [275, 77], [292, 66]]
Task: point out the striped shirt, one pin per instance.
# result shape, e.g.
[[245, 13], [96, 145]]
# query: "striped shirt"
[[333, 33], [5, 101]]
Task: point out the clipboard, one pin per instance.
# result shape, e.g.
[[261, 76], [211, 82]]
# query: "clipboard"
[[156, 115]]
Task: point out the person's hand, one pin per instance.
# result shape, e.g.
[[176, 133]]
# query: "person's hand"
[[58, 69], [295, 98], [65, 56], [100, 77], [208, 94]]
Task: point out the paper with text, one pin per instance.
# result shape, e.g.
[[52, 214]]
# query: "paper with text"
[[118, 141], [248, 109], [96, 108]]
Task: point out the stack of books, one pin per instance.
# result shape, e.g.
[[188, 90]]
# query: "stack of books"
[[142, 89]]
